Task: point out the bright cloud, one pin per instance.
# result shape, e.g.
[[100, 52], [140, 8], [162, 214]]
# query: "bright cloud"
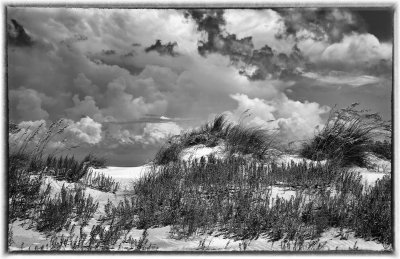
[[86, 130], [91, 67]]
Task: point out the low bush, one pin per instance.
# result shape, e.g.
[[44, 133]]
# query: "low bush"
[[346, 136]]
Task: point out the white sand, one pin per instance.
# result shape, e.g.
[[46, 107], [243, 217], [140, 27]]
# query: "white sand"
[[160, 236], [198, 151], [287, 159]]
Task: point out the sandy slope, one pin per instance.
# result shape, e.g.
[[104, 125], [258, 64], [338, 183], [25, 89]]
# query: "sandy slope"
[[26, 237]]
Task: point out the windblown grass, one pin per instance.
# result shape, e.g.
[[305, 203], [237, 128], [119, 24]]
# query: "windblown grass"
[[233, 197], [55, 214], [100, 182], [26, 170], [95, 161], [382, 149], [66, 168], [346, 136], [255, 141], [100, 238]]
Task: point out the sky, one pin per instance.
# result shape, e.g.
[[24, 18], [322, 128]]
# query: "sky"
[[124, 80]]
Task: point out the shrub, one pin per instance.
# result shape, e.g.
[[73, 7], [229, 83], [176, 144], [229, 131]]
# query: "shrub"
[[345, 136]]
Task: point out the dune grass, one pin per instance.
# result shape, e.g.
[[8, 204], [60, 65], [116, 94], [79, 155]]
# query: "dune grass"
[[99, 182], [29, 198], [382, 149], [346, 136], [55, 214], [255, 141], [233, 197]]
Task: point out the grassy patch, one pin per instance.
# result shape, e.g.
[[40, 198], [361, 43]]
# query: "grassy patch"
[[100, 182], [346, 136], [55, 214], [233, 197], [253, 141], [66, 168], [382, 149]]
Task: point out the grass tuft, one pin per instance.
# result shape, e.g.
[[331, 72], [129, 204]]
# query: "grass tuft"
[[254, 141], [346, 136]]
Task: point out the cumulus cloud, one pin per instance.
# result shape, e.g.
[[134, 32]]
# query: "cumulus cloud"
[[28, 104], [163, 49], [17, 35], [292, 120], [91, 66], [157, 133], [86, 107], [86, 130], [255, 64], [261, 24], [356, 50], [330, 24]]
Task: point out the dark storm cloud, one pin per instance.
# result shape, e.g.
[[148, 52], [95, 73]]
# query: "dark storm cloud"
[[321, 22], [17, 35], [93, 67], [255, 64], [378, 22], [108, 52], [163, 49]]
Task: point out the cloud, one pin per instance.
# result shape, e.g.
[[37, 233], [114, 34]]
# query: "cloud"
[[261, 24], [255, 64], [86, 130], [93, 63], [17, 35], [156, 134], [27, 104], [27, 128], [326, 24], [343, 78], [163, 49], [86, 107], [291, 120], [356, 51]]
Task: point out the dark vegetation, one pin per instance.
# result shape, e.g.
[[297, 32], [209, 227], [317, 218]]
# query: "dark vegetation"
[[94, 161], [381, 149], [253, 141], [55, 214], [100, 182], [233, 198], [346, 136], [30, 198], [230, 197]]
